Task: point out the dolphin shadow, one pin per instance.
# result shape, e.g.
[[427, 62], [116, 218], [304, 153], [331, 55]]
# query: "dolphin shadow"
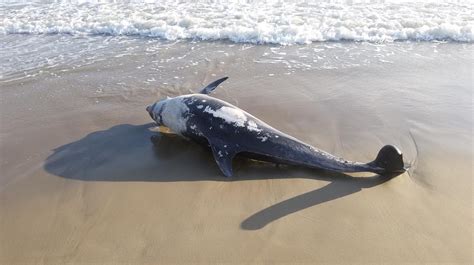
[[339, 187], [125, 153]]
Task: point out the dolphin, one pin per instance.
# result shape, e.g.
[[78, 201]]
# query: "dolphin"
[[229, 131]]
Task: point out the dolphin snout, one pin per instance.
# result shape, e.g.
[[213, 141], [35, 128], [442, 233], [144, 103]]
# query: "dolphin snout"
[[149, 109]]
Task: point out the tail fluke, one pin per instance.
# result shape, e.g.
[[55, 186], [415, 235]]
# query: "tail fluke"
[[390, 159]]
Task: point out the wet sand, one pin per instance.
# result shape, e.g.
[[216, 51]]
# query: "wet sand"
[[81, 181]]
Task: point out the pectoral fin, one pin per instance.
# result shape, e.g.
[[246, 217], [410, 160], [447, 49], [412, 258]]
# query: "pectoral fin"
[[223, 156], [209, 88]]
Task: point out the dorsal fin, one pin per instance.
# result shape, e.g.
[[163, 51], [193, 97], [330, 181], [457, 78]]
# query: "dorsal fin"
[[209, 88], [223, 154]]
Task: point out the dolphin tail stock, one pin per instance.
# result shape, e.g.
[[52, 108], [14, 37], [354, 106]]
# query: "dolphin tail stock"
[[390, 160]]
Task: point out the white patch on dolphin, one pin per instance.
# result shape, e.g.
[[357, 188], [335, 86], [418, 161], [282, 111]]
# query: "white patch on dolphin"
[[263, 138], [229, 115], [252, 126], [200, 106]]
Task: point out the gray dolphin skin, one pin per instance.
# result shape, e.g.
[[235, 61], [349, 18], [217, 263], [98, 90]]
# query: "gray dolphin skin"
[[229, 131]]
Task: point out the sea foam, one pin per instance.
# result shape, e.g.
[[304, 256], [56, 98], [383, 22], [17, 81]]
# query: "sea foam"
[[256, 22]]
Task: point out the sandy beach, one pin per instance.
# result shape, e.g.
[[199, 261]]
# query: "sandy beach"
[[82, 183]]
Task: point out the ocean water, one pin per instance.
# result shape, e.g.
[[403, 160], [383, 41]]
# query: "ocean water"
[[40, 35]]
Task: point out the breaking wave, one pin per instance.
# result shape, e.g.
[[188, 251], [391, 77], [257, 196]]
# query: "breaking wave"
[[256, 22]]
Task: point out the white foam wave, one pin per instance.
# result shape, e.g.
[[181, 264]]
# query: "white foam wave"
[[259, 22]]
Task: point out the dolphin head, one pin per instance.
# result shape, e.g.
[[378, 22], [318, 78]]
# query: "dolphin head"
[[171, 113], [155, 110]]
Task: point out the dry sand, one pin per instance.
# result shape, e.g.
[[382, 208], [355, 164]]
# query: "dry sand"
[[81, 182]]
